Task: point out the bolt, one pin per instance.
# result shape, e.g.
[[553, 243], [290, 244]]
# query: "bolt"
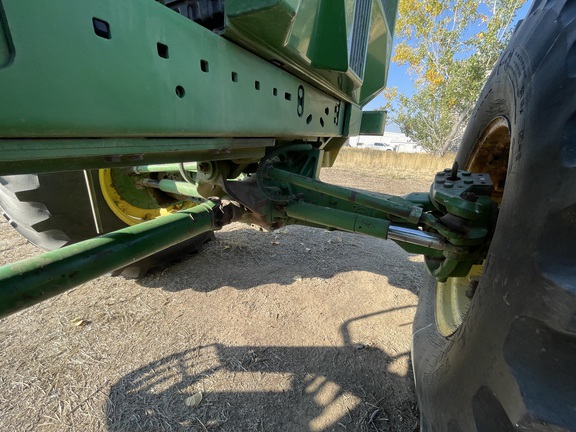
[[448, 184], [454, 172]]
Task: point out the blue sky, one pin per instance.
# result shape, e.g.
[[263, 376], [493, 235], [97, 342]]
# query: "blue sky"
[[399, 77]]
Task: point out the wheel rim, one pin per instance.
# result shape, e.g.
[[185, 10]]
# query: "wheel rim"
[[453, 300], [490, 155], [133, 204]]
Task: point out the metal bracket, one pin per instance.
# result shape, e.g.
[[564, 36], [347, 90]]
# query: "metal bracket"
[[451, 226]]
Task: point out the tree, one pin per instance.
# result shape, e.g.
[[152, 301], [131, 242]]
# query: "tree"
[[450, 47]]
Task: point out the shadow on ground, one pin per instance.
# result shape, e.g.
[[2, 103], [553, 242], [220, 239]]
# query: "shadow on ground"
[[275, 388], [236, 256]]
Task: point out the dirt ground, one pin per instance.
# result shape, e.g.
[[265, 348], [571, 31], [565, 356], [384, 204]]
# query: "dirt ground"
[[298, 330]]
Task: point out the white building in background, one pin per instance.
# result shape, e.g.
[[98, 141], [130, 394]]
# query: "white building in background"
[[390, 141]]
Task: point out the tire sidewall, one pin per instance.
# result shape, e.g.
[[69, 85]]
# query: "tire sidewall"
[[450, 371]]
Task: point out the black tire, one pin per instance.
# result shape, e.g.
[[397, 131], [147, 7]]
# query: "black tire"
[[510, 364], [54, 209]]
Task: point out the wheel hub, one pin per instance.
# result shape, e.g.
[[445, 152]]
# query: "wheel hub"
[[490, 155], [133, 203]]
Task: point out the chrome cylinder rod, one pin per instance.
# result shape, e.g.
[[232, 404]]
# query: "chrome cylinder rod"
[[416, 237]]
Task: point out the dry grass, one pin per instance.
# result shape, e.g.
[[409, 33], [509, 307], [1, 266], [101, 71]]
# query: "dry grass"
[[392, 161]]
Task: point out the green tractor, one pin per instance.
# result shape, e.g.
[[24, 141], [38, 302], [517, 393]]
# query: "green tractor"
[[131, 131]]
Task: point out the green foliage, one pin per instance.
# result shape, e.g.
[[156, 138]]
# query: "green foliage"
[[449, 47]]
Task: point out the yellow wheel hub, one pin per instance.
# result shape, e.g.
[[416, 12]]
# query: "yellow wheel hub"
[[127, 212]]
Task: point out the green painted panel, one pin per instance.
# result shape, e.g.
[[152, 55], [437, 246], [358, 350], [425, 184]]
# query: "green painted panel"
[[145, 72], [25, 155], [373, 122], [269, 20], [328, 47], [325, 42], [378, 56]]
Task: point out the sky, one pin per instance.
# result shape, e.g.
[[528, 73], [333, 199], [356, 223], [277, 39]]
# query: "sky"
[[399, 77]]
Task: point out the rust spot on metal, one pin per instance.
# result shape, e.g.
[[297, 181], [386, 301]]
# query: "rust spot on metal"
[[490, 154], [353, 196]]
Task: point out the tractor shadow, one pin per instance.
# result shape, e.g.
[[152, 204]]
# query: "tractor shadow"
[[244, 257], [268, 388]]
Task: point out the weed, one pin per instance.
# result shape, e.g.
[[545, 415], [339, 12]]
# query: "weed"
[[392, 162]]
